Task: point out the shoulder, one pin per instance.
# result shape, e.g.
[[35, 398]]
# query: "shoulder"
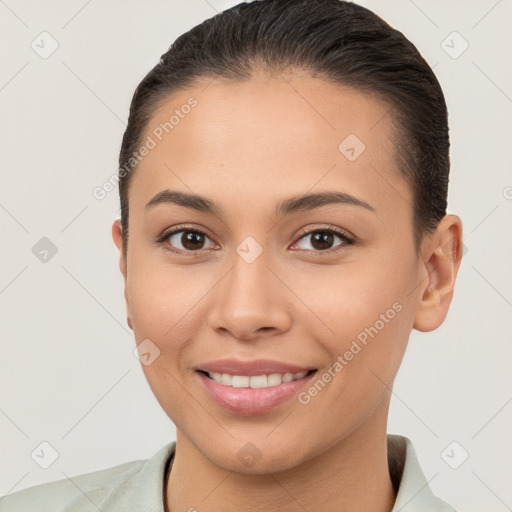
[[77, 493], [115, 488]]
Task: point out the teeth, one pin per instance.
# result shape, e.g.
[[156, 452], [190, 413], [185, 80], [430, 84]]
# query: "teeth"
[[274, 379], [239, 381], [255, 381], [258, 381]]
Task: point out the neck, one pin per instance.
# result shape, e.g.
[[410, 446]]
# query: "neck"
[[351, 476]]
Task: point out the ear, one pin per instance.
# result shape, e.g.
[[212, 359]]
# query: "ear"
[[117, 236], [442, 254]]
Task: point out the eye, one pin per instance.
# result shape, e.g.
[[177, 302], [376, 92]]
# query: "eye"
[[185, 240], [322, 240], [189, 240]]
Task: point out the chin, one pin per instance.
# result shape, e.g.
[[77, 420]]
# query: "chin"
[[258, 457]]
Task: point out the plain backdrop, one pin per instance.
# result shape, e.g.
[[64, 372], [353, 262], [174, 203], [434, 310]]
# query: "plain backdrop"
[[68, 374]]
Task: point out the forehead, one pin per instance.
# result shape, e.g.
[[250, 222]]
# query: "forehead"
[[261, 135]]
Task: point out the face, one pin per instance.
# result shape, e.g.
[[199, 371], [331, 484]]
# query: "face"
[[254, 274]]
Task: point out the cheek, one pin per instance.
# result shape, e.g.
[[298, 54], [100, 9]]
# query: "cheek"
[[165, 305], [163, 300], [346, 299], [365, 312]]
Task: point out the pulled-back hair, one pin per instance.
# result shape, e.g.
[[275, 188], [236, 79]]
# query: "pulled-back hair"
[[334, 40]]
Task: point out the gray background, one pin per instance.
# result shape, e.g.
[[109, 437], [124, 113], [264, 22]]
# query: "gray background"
[[68, 374]]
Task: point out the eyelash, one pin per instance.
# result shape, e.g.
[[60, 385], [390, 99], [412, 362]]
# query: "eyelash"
[[331, 230]]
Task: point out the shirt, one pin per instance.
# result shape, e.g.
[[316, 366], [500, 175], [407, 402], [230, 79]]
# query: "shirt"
[[140, 485]]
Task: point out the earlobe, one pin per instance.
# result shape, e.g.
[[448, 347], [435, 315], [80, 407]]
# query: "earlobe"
[[442, 256]]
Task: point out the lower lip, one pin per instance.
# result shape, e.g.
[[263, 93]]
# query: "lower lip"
[[249, 400]]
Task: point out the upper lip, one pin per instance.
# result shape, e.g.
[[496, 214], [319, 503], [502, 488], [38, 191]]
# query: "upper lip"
[[250, 368]]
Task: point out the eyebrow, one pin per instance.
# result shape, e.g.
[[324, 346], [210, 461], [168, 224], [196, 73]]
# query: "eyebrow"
[[289, 206]]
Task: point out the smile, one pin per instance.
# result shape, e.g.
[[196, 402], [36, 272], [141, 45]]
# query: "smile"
[[253, 394], [255, 381]]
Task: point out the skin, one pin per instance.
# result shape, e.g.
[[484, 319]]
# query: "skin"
[[247, 146]]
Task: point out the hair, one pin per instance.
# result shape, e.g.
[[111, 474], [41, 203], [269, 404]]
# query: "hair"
[[337, 41]]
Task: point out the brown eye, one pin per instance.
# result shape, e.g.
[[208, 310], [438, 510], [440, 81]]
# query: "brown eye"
[[187, 240], [324, 240]]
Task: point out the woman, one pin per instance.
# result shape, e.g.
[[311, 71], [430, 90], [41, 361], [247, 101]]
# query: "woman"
[[283, 183]]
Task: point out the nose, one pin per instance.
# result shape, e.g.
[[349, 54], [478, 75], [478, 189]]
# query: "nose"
[[250, 301]]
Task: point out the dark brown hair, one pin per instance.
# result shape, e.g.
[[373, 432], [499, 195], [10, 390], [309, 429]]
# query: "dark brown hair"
[[334, 40]]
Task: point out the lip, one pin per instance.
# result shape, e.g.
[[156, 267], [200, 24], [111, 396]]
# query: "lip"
[[249, 401], [251, 368]]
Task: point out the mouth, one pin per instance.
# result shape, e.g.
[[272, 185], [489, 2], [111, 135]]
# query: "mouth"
[[253, 394]]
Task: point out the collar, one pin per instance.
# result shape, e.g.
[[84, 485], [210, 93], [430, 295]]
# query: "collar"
[[144, 489], [414, 493]]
